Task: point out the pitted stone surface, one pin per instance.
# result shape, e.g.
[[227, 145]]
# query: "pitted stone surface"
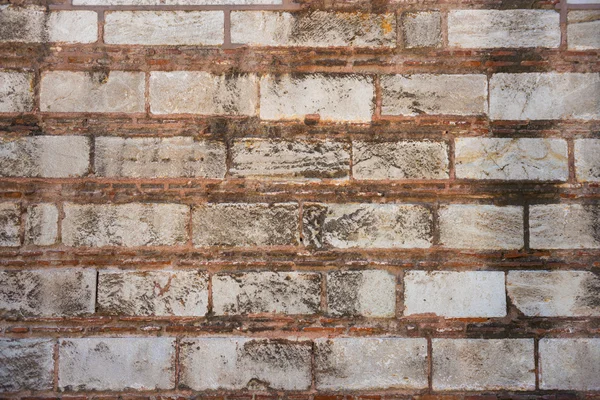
[[173, 2], [555, 293], [434, 94], [582, 29], [153, 293], [283, 159], [65, 292], [587, 160], [116, 364], [422, 29], [10, 224], [132, 224], [313, 29], [361, 293], [26, 364], [16, 91], [237, 363], [266, 292], [246, 224], [45, 156], [511, 159], [477, 226], [483, 364], [41, 224], [399, 160], [451, 294], [170, 157], [370, 363], [564, 226], [569, 364]]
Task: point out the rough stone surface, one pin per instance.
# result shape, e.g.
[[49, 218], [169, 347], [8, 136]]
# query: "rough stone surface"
[[41, 224], [569, 364], [266, 292], [370, 363], [284, 159], [503, 28], [544, 96], [511, 159], [422, 29], [583, 29], [164, 27], [195, 92], [116, 364], [65, 292], [587, 160], [10, 224], [340, 97], [246, 224], [148, 293], [367, 225], [237, 363], [400, 160], [16, 91], [434, 94], [555, 293], [564, 226], [70, 91], [72, 26], [45, 156], [313, 29], [133, 224], [173, 2], [484, 227], [361, 293], [483, 364], [26, 364], [450, 294], [170, 157]]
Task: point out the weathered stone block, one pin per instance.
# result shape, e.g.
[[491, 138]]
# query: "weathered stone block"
[[164, 27], [173, 2], [582, 30], [361, 293], [246, 224], [132, 224], [564, 226], [170, 157], [422, 29], [100, 92], [370, 363], [478, 226], [283, 159], [16, 91], [483, 364], [26, 364], [153, 293], [45, 156], [451, 294], [72, 27], [266, 292], [555, 293], [237, 363], [66, 292], [313, 29], [194, 92], [41, 224], [511, 159], [10, 224], [400, 160], [569, 364], [503, 28], [367, 225], [346, 97], [544, 96], [587, 160], [116, 364], [433, 94]]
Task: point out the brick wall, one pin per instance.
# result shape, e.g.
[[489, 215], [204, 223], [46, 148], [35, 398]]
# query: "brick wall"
[[324, 200]]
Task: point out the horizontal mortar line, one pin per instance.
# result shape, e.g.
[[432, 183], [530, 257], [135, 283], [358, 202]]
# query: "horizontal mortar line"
[[199, 7]]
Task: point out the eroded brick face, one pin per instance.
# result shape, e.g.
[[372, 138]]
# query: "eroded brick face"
[[305, 200]]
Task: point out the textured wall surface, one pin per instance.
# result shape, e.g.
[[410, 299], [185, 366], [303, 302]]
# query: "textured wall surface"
[[312, 200]]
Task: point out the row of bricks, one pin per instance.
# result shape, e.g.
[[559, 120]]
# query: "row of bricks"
[[187, 157], [367, 293], [342, 226], [234, 363], [334, 97], [465, 28]]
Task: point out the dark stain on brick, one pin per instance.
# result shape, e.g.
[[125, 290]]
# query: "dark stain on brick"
[[343, 293], [590, 292], [313, 220], [277, 353]]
